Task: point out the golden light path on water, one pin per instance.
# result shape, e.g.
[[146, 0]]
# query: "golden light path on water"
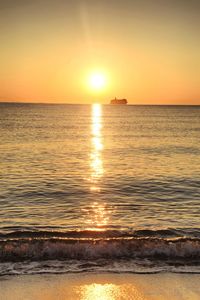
[[97, 146], [109, 291], [97, 213]]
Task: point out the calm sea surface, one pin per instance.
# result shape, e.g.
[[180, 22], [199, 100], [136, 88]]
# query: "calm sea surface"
[[99, 183]]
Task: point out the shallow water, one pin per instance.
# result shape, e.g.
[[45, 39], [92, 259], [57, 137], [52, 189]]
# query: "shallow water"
[[90, 172]]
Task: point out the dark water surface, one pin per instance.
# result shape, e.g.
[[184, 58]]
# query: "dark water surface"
[[89, 188]]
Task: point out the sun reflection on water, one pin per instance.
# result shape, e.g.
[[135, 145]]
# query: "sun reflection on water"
[[100, 291], [96, 214], [109, 291], [97, 146]]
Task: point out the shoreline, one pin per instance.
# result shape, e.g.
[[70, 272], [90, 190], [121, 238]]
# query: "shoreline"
[[87, 286]]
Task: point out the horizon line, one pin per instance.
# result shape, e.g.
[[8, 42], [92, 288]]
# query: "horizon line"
[[69, 103]]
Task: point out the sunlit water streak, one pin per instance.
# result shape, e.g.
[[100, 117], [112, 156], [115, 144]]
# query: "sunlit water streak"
[[97, 216], [97, 146], [108, 291]]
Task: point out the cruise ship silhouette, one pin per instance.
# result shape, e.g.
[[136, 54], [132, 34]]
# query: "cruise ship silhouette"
[[118, 101]]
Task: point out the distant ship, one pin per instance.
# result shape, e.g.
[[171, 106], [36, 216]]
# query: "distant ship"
[[118, 101]]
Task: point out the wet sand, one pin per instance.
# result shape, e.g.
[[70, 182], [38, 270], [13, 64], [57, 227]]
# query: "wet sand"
[[101, 287]]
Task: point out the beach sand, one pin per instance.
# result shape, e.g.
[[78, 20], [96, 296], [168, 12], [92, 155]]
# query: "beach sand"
[[100, 286]]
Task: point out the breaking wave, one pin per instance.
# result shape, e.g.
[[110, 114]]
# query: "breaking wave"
[[49, 247], [143, 251]]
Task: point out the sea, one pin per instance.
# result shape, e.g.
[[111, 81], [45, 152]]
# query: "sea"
[[99, 188]]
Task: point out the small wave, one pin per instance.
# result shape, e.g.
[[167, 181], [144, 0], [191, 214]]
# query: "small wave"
[[101, 232], [136, 266]]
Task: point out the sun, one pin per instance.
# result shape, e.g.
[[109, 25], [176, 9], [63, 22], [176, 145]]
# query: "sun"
[[97, 81]]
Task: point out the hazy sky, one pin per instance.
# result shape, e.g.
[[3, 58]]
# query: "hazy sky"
[[149, 50]]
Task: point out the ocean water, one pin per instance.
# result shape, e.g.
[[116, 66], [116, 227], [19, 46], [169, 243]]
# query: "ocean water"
[[89, 188]]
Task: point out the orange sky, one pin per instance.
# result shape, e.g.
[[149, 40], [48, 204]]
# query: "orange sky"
[[149, 50]]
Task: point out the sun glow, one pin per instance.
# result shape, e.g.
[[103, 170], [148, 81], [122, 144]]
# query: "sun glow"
[[97, 81]]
